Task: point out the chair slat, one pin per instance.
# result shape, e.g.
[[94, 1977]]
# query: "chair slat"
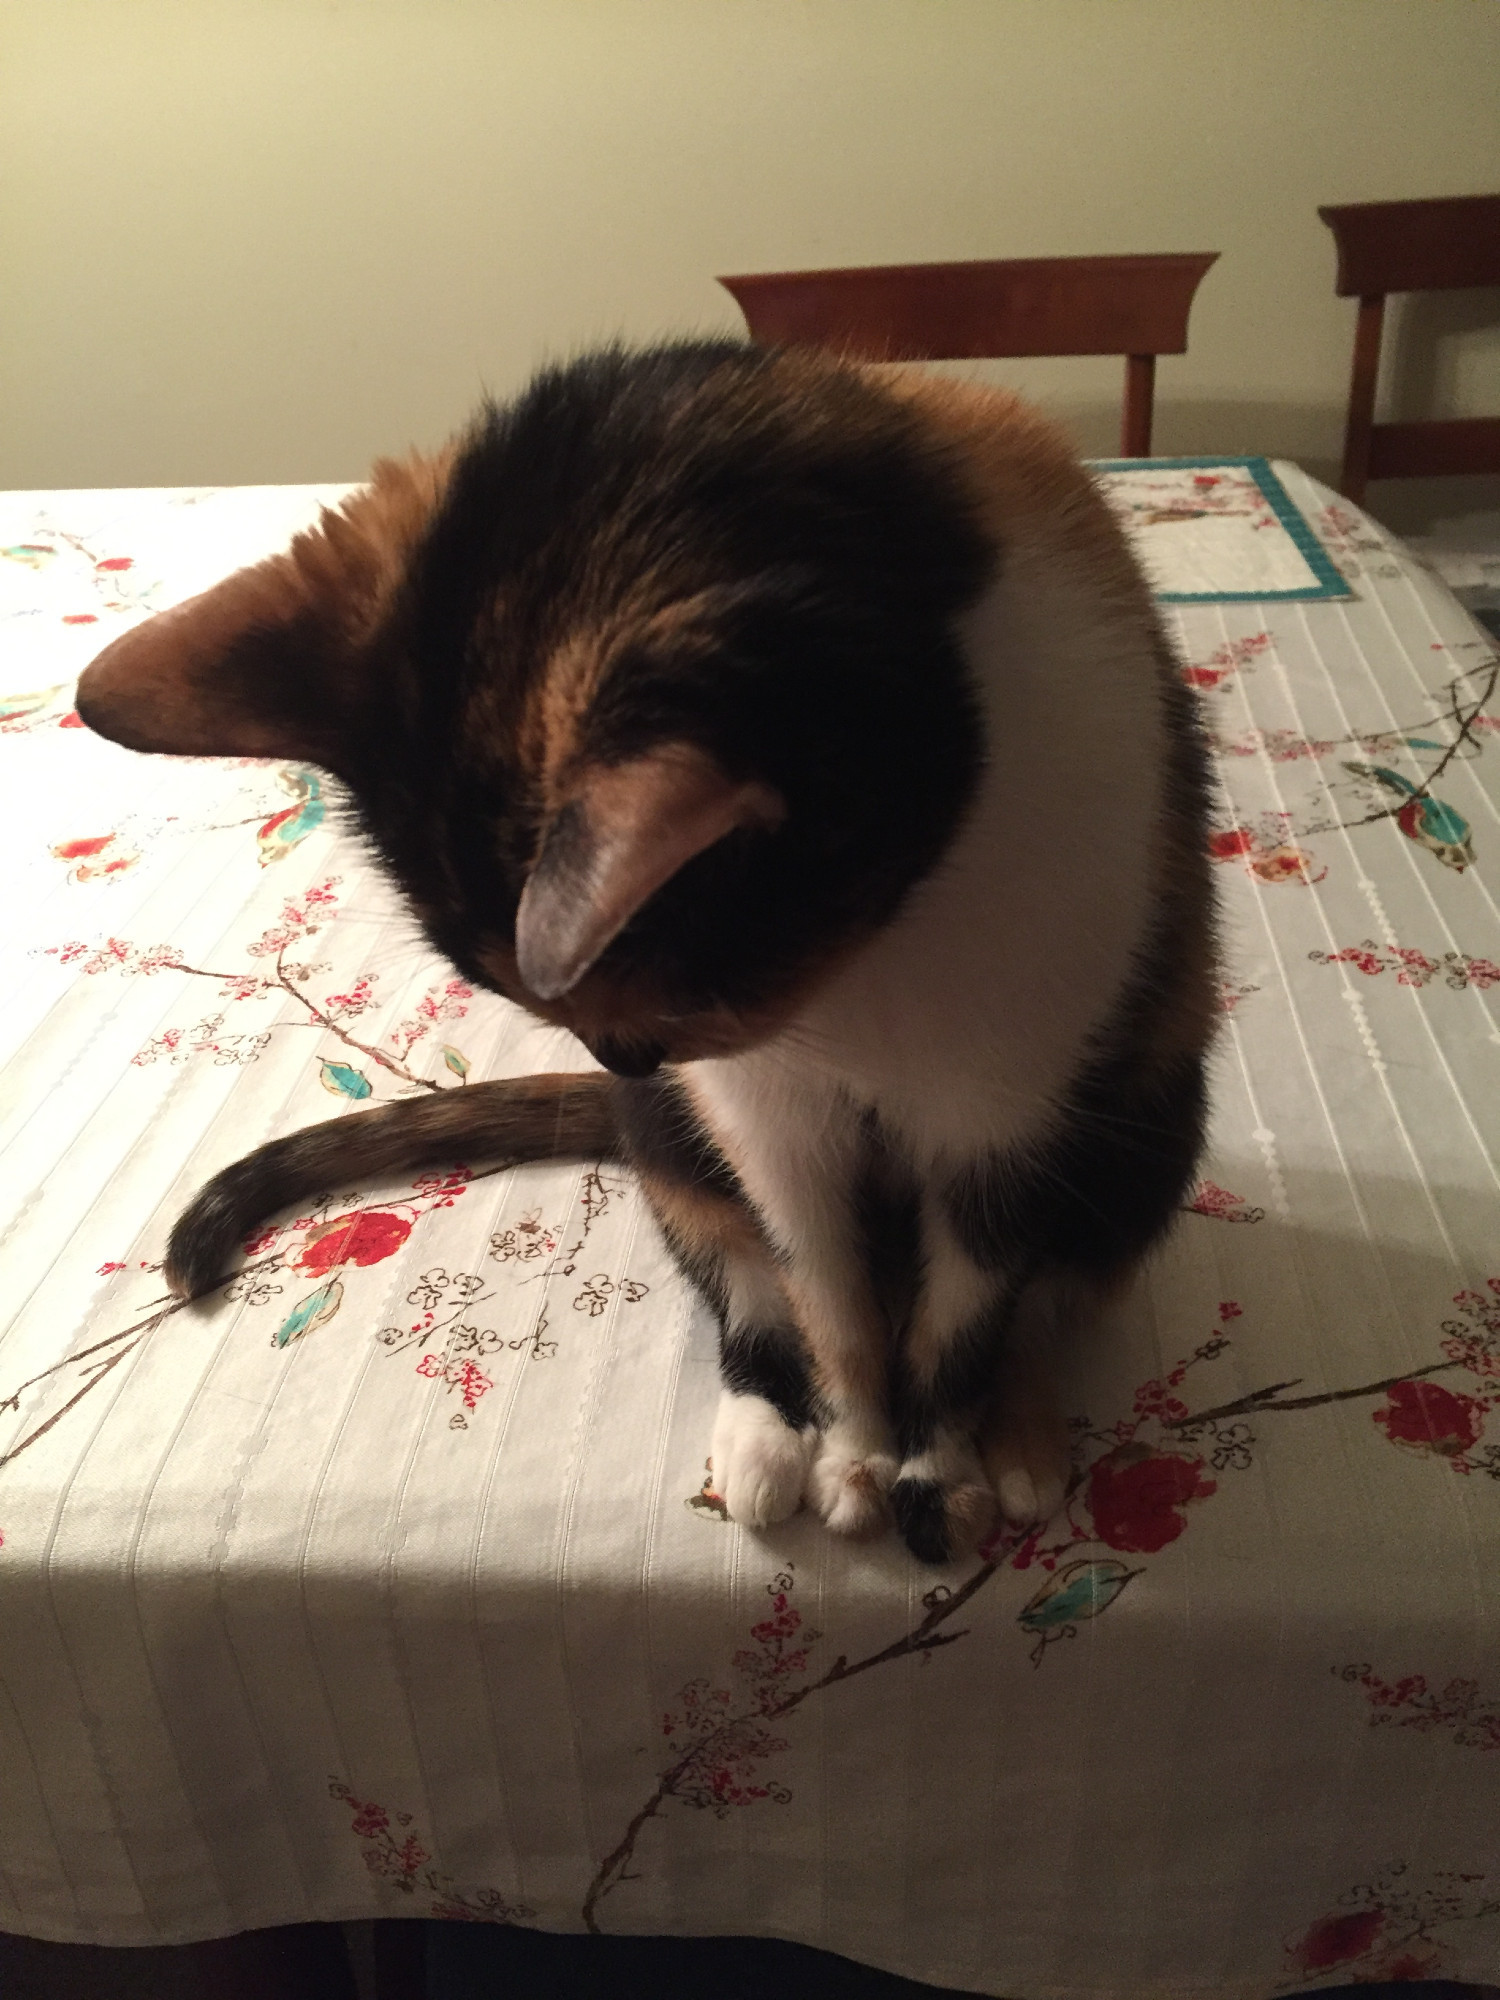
[[1428, 450], [982, 310]]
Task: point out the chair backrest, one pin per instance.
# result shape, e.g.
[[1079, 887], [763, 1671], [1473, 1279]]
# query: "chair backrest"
[[1410, 246], [1135, 306]]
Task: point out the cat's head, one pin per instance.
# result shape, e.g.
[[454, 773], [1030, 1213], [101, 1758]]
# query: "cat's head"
[[647, 691]]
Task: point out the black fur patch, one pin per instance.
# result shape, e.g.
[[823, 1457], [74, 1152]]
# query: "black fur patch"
[[817, 545], [662, 1134], [887, 1210], [1101, 1187], [922, 1518], [770, 1361]]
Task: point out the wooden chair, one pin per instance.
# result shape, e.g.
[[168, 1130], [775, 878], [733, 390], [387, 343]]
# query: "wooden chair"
[[1135, 306], [1410, 246]]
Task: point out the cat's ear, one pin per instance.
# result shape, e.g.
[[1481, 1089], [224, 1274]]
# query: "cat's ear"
[[263, 664], [234, 672], [624, 832]]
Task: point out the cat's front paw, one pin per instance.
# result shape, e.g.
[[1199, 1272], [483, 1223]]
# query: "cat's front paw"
[[943, 1503], [1029, 1465], [759, 1461], [849, 1480]]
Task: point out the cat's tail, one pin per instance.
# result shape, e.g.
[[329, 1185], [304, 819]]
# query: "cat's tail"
[[554, 1117]]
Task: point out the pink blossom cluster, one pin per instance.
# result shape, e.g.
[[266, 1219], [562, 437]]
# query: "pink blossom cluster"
[[1225, 660], [467, 1377], [301, 916], [1459, 969], [343, 1006], [448, 1002], [116, 955]]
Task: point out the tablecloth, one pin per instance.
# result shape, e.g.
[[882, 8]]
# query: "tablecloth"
[[391, 1583]]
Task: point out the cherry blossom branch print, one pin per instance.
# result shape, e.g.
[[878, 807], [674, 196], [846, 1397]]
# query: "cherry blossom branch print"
[[1457, 1710], [1272, 845], [1457, 969], [1456, 709], [406, 1865], [1391, 794], [530, 1241], [1135, 1482], [720, 1736], [302, 918], [317, 1244], [454, 1343], [1387, 1931]]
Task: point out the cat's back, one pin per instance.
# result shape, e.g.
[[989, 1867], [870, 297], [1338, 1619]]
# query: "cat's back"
[[1034, 500]]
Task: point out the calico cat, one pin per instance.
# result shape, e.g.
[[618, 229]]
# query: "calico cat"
[[802, 737]]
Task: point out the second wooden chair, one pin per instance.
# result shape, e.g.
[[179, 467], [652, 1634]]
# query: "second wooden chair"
[[1447, 245]]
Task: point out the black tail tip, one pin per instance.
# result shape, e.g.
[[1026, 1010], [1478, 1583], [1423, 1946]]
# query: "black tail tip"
[[201, 1247]]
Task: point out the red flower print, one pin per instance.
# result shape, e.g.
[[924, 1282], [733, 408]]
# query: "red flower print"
[[114, 562], [1335, 1940], [405, 1867], [1423, 1416], [80, 618], [1229, 845], [470, 1381], [399, 1864], [1405, 1967], [1211, 1199], [72, 720], [79, 850], [1134, 1495], [1286, 864], [367, 1237]]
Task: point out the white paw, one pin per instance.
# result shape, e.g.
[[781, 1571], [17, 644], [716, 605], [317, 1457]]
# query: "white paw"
[[759, 1461], [1029, 1485], [849, 1480]]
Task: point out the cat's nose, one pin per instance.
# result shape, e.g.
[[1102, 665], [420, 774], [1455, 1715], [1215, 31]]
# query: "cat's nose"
[[626, 1058]]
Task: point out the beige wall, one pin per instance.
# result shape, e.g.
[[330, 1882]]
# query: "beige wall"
[[261, 240]]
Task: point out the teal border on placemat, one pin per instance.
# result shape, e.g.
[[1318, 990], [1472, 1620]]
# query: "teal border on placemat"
[[1329, 585]]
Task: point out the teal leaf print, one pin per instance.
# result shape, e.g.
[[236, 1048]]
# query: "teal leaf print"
[[314, 1311], [343, 1080], [284, 829], [456, 1060], [14, 706], [1079, 1591]]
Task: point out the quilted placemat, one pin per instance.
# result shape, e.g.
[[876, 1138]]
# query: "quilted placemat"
[[1217, 530]]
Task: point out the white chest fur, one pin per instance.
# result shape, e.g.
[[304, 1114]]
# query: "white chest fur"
[[963, 1019]]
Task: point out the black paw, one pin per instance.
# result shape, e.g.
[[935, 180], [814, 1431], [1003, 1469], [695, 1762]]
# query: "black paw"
[[921, 1511]]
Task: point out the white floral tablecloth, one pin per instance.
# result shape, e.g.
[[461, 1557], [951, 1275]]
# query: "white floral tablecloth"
[[388, 1583]]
